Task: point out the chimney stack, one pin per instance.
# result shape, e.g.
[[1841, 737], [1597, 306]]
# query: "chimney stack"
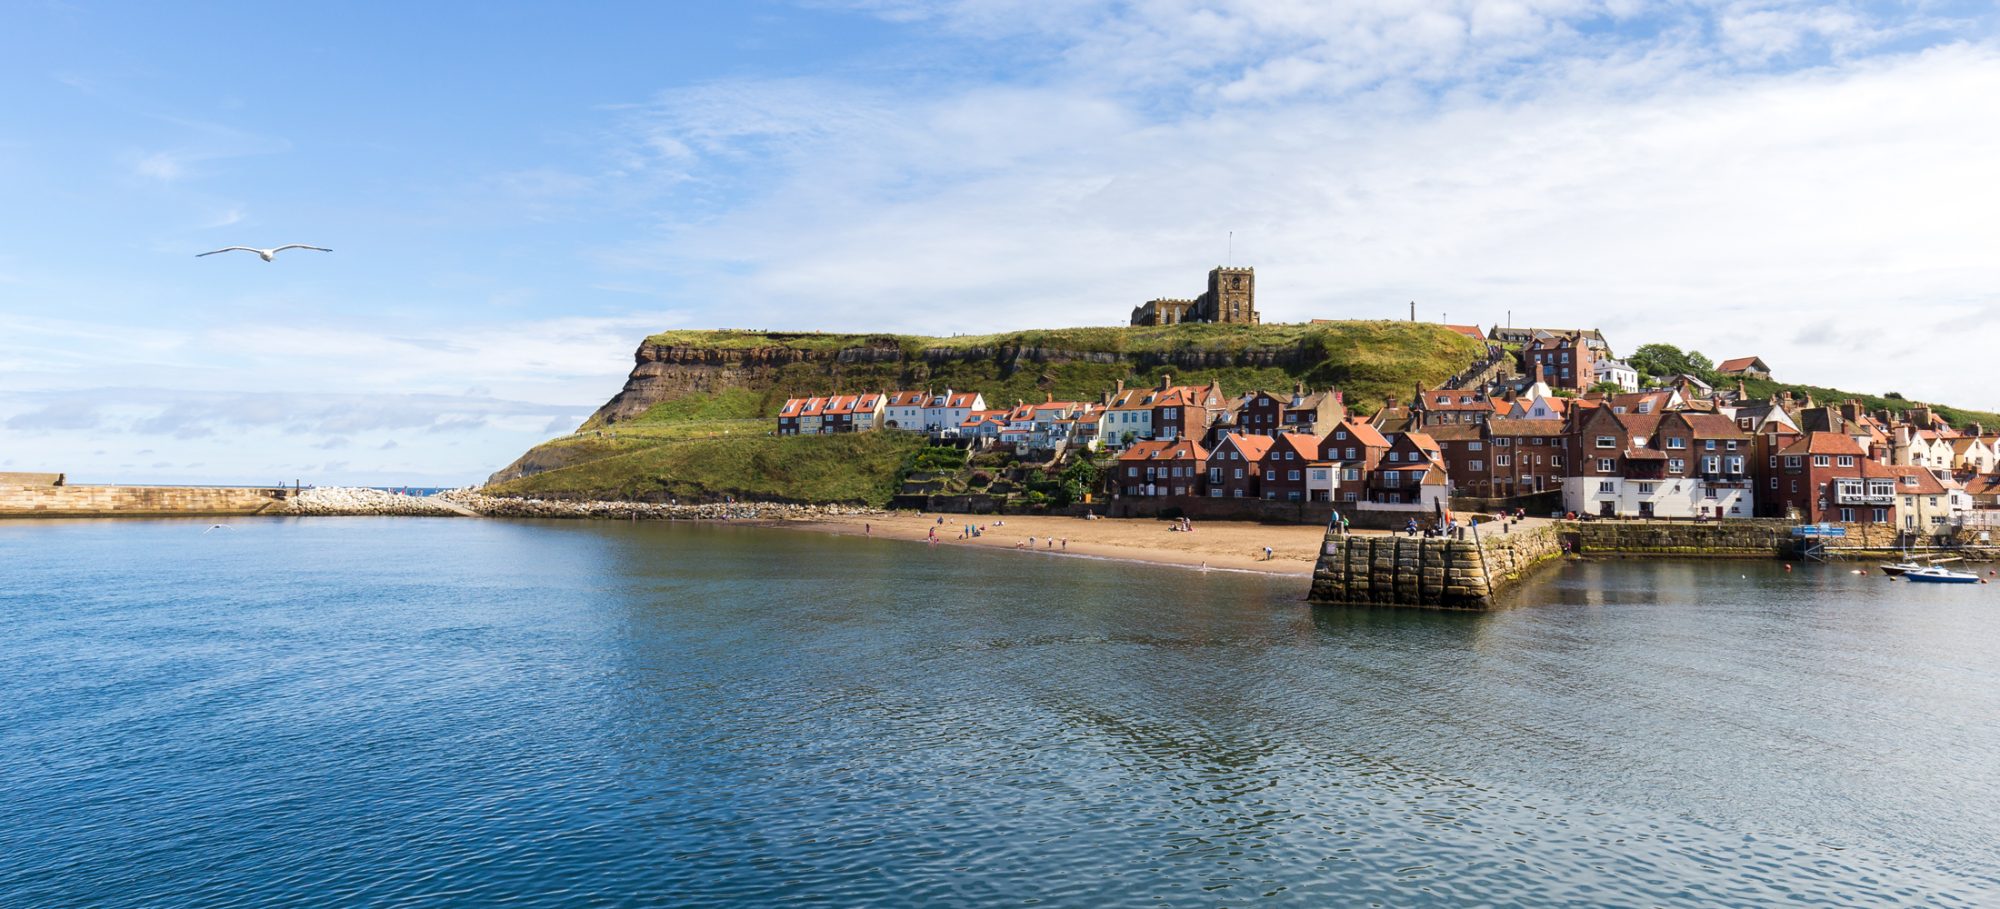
[[1166, 381]]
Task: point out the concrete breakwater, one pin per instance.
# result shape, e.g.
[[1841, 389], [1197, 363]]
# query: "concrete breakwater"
[[52, 501], [1439, 573]]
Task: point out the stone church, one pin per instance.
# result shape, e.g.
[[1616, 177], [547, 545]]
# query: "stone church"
[[1231, 297]]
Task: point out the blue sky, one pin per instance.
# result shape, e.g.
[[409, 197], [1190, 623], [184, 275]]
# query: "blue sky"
[[518, 193]]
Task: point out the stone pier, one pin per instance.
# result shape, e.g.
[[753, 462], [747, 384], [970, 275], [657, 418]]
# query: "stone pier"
[[1375, 569]]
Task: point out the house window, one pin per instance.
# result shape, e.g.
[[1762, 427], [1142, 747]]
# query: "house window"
[[1676, 465], [1792, 460], [1845, 461], [1475, 446], [1270, 474], [1555, 460], [1709, 445], [1502, 443], [1847, 516], [1881, 515], [1503, 460], [1291, 474], [1239, 473], [1822, 461], [1607, 442], [1676, 442], [1709, 492], [1131, 471], [1646, 489], [1348, 497], [1606, 486], [1395, 456], [1774, 483], [1604, 465], [1478, 466]]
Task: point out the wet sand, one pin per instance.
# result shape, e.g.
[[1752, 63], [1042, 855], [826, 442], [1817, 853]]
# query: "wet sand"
[[1220, 545]]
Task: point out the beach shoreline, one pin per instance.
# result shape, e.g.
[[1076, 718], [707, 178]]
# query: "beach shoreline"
[[1215, 545]]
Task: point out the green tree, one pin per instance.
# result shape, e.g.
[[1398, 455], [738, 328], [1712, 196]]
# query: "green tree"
[[1606, 388], [1076, 481], [1658, 361]]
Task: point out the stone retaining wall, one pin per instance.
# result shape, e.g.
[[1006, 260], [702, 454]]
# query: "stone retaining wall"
[[1762, 538], [94, 501]]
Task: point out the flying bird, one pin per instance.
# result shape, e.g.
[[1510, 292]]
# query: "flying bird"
[[264, 254], [215, 527]]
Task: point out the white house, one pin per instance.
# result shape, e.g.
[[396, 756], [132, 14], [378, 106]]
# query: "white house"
[[1664, 498], [948, 410], [1617, 372], [905, 410], [1129, 412]]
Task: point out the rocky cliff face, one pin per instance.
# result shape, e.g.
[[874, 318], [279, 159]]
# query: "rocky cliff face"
[[662, 373]]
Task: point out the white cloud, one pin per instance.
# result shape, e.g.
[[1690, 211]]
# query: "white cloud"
[[1651, 188]]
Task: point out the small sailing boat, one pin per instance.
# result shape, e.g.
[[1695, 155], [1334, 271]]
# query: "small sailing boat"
[[1937, 574]]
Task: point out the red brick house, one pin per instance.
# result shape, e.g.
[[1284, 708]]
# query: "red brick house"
[[1356, 448], [1412, 462], [1160, 469], [1823, 478], [1285, 466], [1236, 466], [1259, 413], [1185, 411], [1562, 361], [1445, 407], [1524, 457]]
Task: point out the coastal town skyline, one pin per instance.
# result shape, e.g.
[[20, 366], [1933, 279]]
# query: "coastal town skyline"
[[1794, 180]]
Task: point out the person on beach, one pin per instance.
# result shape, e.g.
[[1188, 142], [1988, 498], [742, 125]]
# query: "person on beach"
[[1267, 553], [1065, 544], [867, 529]]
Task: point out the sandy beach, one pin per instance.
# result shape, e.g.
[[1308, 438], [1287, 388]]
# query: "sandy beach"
[[1229, 545]]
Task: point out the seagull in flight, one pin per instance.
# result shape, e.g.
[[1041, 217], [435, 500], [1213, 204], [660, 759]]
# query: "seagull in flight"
[[215, 527], [264, 254]]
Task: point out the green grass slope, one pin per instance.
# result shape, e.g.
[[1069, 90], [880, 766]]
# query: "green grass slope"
[[1956, 416], [858, 468]]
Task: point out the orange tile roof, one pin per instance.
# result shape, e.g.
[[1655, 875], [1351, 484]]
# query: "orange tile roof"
[[1364, 433], [1252, 448], [1828, 443]]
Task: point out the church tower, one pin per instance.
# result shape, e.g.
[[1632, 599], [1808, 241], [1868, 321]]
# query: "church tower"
[[1232, 295]]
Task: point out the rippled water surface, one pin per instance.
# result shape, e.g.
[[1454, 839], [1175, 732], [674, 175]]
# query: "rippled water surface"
[[455, 712]]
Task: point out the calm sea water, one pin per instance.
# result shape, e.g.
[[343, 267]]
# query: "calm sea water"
[[453, 712]]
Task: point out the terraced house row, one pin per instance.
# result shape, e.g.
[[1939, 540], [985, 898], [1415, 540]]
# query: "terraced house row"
[[1685, 451]]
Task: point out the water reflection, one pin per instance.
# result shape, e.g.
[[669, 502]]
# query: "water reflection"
[[436, 710]]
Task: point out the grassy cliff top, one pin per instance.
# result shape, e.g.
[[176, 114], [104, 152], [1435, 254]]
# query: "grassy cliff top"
[[1393, 338]]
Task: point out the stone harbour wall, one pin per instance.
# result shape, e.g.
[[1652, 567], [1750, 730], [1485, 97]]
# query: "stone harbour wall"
[[136, 501], [1468, 573]]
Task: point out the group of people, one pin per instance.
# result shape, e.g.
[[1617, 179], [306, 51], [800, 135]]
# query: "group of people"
[[1182, 524]]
